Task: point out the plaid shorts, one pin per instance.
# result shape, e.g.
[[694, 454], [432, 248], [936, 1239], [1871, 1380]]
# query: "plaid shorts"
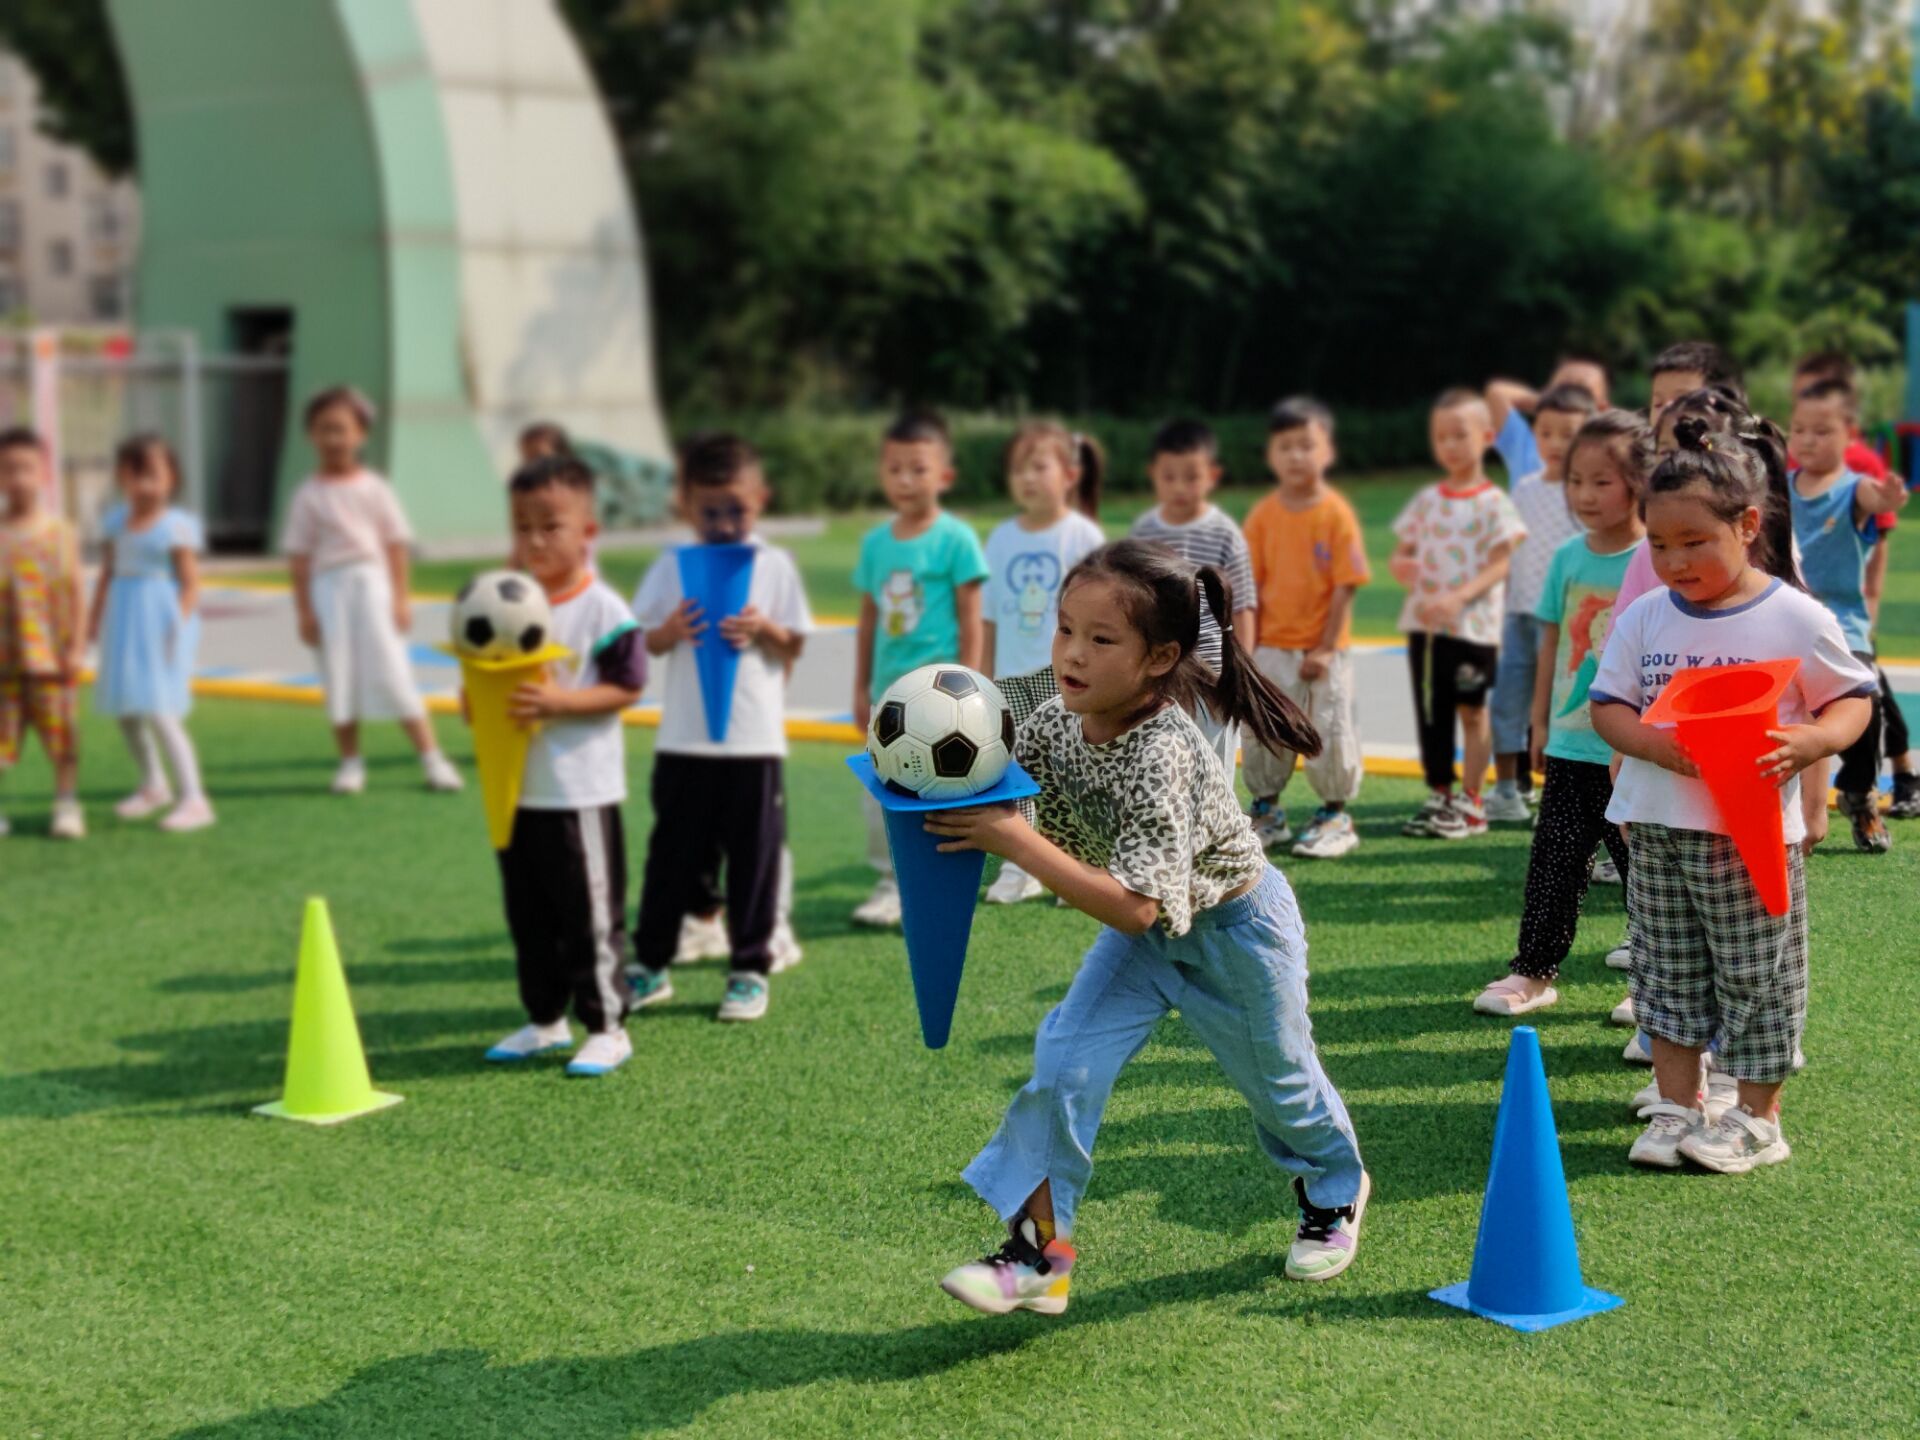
[[1708, 960], [45, 703]]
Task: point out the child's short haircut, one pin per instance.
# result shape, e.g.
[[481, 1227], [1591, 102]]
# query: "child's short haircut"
[[1833, 389], [1184, 437], [1568, 399], [549, 433], [718, 458], [356, 403], [22, 437], [1459, 397], [566, 472], [1824, 365], [919, 427], [1298, 411], [141, 454], [1700, 357]]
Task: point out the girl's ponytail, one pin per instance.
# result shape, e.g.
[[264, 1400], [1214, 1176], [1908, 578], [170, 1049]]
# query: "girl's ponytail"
[[1773, 550], [1091, 461], [1240, 694]]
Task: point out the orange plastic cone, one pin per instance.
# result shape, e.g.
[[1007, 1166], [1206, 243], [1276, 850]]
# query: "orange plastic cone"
[[327, 1079], [1721, 715], [500, 741]]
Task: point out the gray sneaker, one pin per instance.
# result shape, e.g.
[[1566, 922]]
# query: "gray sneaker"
[[1508, 809], [1736, 1142]]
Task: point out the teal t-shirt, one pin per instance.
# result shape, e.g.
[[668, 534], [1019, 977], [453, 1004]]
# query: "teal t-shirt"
[[1578, 596], [912, 584]]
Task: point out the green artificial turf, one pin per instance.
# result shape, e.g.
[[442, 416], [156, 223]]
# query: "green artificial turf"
[[740, 1232]]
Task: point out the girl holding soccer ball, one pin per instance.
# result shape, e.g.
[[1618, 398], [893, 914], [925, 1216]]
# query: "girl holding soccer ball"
[[1137, 825]]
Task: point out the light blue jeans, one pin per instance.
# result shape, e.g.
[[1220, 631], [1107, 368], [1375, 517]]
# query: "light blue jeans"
[[1239, 980], [1513, 686]]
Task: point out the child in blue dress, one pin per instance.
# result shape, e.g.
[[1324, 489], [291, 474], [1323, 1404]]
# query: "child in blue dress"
[[1137, 825], [146, 620]]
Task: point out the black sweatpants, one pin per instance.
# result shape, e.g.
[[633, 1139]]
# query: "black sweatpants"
[[1447, 673], [1572, 819], [1896, 740], [708, 810], [1860, 761], [565, 880]]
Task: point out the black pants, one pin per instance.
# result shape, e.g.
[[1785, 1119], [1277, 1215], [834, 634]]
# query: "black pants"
[[1896, 740], [1860, 761], [565, 880], [1572, 819], [710, 810], [1447, 673]]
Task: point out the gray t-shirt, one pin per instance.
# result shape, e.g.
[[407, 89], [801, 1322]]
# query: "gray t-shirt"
[[1152, 808], [1215, 540]]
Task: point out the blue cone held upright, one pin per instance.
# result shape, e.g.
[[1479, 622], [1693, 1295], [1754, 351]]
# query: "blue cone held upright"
[[1526, 1267], [937, 891], [716, 578]]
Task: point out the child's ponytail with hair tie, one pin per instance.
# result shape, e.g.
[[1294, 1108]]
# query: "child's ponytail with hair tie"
[[1240, 694]]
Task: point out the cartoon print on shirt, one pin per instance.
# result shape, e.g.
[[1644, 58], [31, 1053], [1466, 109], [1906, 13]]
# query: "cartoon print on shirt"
[[902, 603], [1032, 580]]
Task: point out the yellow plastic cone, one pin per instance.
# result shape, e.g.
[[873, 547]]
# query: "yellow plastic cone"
[[327, 1079], [499, 741]]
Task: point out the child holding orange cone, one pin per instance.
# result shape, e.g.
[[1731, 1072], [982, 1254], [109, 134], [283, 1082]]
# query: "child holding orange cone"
[[564, 873], [1710, 963]]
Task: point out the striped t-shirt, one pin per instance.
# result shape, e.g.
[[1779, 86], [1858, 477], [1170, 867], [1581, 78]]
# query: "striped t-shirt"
[[1212, 539]]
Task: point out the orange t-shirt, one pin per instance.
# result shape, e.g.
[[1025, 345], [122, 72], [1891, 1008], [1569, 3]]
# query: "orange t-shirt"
[[1299, 558]]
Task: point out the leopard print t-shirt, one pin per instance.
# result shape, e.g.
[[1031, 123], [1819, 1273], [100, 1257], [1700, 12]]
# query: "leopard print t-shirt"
[[1152, 808]]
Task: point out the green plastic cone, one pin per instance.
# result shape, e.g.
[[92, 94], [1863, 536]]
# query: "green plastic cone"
[[327, 1079]]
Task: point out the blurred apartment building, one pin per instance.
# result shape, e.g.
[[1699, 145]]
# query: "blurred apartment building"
[[68, 233]]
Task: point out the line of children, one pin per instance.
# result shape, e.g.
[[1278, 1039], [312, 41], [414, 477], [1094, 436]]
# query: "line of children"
[[1307, 558], [1455, 545]]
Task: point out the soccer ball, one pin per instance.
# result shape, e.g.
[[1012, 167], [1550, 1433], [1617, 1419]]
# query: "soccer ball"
[[501, 615], [942, 732]]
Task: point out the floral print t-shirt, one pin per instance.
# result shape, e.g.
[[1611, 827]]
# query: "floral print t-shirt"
[[1453, 532], [1151, 807], [38, 562]]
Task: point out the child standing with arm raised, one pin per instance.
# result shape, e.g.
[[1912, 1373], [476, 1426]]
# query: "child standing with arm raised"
[[1138, 827], [919, 577], [347, 543], [1308, 558], [1456, 542]]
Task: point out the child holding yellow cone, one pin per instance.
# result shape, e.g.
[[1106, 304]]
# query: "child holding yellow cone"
[[564, 872]]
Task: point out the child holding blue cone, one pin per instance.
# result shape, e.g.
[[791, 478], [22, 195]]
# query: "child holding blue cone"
[[1138, 826]]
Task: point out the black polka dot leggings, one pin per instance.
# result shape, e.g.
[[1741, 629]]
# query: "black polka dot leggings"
[[1572, 820]]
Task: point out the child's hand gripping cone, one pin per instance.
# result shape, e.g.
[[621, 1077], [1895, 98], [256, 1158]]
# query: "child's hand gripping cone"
[[499, 740], [1721, 715]]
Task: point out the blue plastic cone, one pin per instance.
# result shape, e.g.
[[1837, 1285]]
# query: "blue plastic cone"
[[716, 578], [1526, 1267], [937, 891]]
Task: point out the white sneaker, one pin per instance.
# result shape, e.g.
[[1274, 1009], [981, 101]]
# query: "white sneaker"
[[351, 777], [1605, 872], [746, 997], [881, 909], [142, 803], [188, 815], [1622, 1014], [1669, 1127], [1331, 835], [1736, 1142], [785, 949], [703, 937], [1620, 957], [1013, 885], [440, 773], [1723, 1094], [1270, 826], [1509, 808], [1639, 1050], [602, 1054], [531, 1040], [69, 822]]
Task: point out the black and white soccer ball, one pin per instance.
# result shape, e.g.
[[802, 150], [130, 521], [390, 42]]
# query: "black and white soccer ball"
[[501, 615], [942, 732]]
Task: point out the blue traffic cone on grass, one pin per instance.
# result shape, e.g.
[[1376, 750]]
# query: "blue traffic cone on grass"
[[717, 579], [1526, 1267], [937, 890]]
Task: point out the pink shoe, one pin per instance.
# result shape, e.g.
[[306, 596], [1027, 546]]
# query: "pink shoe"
[[188, 815], [142, 803]]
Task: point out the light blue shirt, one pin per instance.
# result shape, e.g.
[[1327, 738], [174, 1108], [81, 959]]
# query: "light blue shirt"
[[1515, 442], [913, 584], [1833, 555], [1023, 589]]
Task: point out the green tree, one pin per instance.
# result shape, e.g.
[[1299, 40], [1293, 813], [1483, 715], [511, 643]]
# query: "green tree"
[[83, 94]]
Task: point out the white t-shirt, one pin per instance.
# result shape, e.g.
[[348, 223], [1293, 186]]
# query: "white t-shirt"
[[1542, 504], [756, 725], [349, 520], [1454, 533], [1661, 633], [1025, 572], [580, 762]]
